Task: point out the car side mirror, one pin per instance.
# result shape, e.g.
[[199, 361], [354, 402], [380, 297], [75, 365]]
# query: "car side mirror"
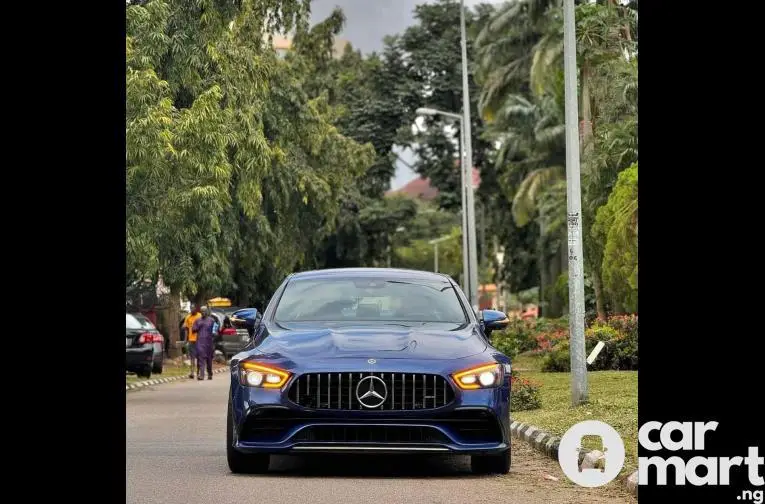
[[493, 320]]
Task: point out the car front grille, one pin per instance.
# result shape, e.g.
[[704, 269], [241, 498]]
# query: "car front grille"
[[270, 425], [402, 391]]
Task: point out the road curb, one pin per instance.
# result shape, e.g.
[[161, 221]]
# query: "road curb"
[[157, 381], [546, 443]]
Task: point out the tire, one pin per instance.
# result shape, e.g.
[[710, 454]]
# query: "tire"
[[238, 462], [144, 373], [491, 464], [157, 366]]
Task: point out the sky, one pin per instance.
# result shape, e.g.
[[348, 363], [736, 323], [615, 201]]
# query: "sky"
[[367, 22]]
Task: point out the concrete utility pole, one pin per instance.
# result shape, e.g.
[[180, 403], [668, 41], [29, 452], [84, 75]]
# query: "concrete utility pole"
[[468, 168], [574, 203], [466, 273]]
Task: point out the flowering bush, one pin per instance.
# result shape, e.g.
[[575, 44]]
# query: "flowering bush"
[[558, 359], [518, 335], [524, 394], [620, 335]]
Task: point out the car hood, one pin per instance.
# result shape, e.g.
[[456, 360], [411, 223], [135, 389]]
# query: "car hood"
[[372, 342]]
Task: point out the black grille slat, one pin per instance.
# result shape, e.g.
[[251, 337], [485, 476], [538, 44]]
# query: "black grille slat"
[[333, 391], [275, 424]]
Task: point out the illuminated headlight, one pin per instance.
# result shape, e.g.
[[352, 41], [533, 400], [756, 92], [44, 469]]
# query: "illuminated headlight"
[[487, 378], [257, 375], [483, 376]]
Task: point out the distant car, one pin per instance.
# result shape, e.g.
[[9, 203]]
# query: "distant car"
[[144, 346], [236, 329], [370, 361]]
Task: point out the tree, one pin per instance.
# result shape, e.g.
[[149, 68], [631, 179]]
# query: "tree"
[[430, 56], [520, 70], [233, 171], [616, 225]]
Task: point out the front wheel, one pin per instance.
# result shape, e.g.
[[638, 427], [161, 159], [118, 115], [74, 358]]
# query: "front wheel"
[[238, 462], [491, 464]]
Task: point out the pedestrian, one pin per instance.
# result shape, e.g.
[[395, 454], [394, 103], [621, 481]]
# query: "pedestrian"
[[191, 336], [205, 346]]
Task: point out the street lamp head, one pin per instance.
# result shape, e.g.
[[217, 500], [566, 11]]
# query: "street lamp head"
[[426, 111]]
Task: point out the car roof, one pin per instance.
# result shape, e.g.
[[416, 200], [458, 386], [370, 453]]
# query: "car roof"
[[370, 272]]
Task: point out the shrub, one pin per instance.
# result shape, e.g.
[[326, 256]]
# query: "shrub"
[[524, 394], [548, 333], [558, 359], [522, 333], [506, 342], [620, 335]]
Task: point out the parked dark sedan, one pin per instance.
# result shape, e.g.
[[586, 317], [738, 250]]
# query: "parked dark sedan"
[[236, 329], [143, 346]]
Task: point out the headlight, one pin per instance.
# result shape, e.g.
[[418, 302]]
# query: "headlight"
[[257, 375], [483, 376]]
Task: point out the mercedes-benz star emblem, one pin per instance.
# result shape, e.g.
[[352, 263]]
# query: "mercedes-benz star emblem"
[[371, 392], [372, 361]]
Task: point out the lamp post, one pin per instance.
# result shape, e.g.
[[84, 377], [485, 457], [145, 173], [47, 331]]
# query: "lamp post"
[[469, 249], [398, 230], [574, 203], [500, 255], [435, 249], [468, 170]]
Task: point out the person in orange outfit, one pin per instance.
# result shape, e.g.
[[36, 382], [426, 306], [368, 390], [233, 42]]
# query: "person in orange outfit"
[[191, 336]]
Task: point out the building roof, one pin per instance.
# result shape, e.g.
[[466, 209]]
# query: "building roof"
[[420, 188], [285, 42]]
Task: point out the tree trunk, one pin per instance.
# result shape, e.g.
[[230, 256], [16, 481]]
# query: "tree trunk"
[[174, 322], [597, 285], [544, 281], [544, 276], [556, 301], [586, 131]]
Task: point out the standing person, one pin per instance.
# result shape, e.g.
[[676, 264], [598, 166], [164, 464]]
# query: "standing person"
[[205, 347], [191, 336]]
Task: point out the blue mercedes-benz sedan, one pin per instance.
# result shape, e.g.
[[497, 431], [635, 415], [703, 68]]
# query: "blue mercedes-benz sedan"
[[370, 361]]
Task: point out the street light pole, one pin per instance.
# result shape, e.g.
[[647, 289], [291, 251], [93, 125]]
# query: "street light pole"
[[465, 251], [435, 243], [574, 203], [468, 167], [466, 276]]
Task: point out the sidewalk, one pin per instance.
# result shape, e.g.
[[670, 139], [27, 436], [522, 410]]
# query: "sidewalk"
[[174, 369]]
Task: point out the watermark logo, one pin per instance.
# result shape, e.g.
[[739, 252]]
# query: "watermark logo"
[[678, 438], [571, 445], [697, 470]]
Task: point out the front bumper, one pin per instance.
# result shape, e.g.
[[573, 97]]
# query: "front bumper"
[[475, 423]]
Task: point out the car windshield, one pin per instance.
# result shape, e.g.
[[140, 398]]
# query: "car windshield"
[[370, 300], [131, 322]]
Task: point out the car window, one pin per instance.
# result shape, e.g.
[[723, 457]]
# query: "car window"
[[145, 323], [370, 300], [131, 322]]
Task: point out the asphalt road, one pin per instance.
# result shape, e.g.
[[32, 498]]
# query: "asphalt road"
[[176, 454]]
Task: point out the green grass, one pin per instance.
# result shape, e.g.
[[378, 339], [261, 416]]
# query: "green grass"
[[527, 362], [613, 399]]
